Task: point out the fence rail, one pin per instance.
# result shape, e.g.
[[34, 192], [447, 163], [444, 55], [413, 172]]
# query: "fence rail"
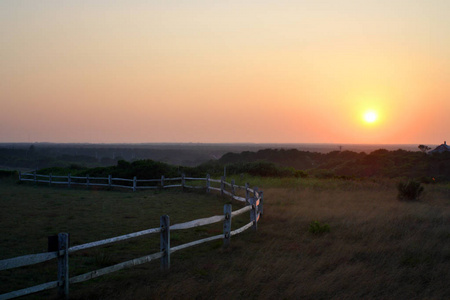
[[136, 184], [254, 204]]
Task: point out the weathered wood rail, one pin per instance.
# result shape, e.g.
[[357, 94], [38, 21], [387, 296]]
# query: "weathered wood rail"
[[253, 203], [126, 183]]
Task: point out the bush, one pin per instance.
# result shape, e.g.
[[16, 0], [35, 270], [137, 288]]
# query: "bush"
[[316, 228], [300, 174], [409, 191]]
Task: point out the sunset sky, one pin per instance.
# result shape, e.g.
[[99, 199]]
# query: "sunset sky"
[[225, 71]]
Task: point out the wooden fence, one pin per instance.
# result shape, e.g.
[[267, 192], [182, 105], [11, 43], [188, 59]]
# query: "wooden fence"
[[134, 184], [254, 204]]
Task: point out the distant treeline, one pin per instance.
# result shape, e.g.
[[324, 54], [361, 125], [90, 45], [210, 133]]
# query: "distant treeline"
[[288, 163], [34, 158], [44, 155], [348, 164], [38, 157]]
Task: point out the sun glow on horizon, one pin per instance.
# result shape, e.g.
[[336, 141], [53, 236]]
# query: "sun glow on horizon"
[[200, 71], [370, 116]]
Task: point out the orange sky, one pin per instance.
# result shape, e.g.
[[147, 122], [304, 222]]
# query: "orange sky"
[[224, 71]]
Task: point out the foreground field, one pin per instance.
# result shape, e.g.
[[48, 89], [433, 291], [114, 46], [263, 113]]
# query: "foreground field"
[[377, 247]]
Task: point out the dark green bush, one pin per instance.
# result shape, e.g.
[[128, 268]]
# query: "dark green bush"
[[300, 174], [409, 191], [316, 228]]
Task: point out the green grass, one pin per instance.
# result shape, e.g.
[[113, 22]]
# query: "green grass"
[[378, 247], [29, 214]]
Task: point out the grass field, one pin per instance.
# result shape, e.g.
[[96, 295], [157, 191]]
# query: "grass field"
[[377, 247]]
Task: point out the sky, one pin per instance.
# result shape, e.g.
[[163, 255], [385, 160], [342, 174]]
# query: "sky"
[[225, 71]]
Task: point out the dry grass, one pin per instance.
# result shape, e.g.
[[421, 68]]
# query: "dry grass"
[[378, 248]]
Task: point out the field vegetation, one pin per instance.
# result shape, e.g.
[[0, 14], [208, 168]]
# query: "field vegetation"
[[287, 164], [365, 243], [345, 164]]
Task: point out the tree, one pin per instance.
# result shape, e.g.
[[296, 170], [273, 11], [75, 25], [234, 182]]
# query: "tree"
[[424, 148]]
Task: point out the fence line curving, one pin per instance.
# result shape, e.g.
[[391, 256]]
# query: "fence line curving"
[[253, 201]]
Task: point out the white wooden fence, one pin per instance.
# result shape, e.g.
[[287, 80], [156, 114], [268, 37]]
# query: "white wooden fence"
[[253, 200], [133, 184]]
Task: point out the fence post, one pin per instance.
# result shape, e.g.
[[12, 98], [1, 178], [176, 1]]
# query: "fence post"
[[222, 185], [68, 180], [233, 190], [261, 202], [134, 184], [255, 192], [183, 181], [87, 180], [50, 179], [165, 242], [208, 183], [247, 194], [20, 176], [63, 265], [226, 225], [34, 177], [254, 213], [162, 181], [109, 180]]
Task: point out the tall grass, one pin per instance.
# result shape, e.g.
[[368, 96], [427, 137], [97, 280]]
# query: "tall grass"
[[29, 214], [378, 247]]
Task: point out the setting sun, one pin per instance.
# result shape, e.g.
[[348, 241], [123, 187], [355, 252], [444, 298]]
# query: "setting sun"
[[185, 71], [370, 116]]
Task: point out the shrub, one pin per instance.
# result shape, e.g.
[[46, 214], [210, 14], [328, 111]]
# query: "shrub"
[[316, 228], [410, 190], [300, 174]]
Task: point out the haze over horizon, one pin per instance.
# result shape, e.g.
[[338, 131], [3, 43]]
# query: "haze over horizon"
[[350, 72]]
